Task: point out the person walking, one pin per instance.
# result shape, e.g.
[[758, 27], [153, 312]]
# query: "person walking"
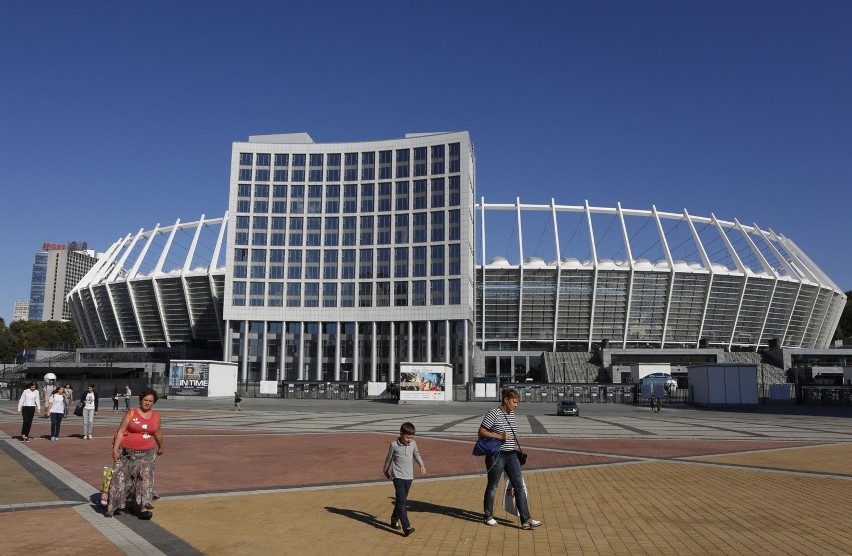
[[127, 395], [89, 411], [399, 467], [69, 397], [58, 403], [48, 389], [27, 407], [115, 395], [237, 400], [139, 440], [499, 423]]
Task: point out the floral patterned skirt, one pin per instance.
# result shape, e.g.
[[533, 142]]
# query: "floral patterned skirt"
[[132, 479]]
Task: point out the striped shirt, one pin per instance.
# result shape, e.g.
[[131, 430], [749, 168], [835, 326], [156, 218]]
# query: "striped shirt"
[[498, 422]]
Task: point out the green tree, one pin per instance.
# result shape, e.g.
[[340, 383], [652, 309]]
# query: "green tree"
[[844, 327]]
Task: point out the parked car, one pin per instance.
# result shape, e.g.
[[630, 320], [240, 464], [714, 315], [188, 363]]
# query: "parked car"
[[567, 407]]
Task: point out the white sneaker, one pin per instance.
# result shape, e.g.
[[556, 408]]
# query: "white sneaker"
[[491, 522], [531, 524]]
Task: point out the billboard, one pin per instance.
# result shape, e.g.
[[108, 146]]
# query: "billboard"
[[426, 383], [188, 378]]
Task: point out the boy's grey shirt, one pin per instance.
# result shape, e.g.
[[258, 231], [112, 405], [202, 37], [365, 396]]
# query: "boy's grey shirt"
[[403, 457]]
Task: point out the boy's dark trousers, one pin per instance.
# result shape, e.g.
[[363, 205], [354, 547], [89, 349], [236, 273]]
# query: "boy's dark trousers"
[[400, 513]]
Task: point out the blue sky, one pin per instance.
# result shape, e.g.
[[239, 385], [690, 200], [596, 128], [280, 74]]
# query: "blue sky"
[[119, 116]]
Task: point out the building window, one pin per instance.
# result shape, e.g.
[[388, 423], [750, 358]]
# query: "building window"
[[257, 291], [294, 265], [402, 195], [279, 191], [347, 294], [276, 294], [350, 168], [454, 232], [294, 296], [419, 162], [239, 294], [383, 229], [263, 159], [418, 261], [437, 192], [329, 294], [244, 190], [418, 293], [313, 233], [276, 264], [245, 174], [258, 263], [311, 294], [367, 197], [437, 266], [385, 192], [437, 226], [401, 228], [383, 263], [312, 264], [401, 262], [455, 157], [400, 294], [332, 199], [437, 159], [261, 175], [281, 160], [296, 232], [349, 230], [365, 294], [454, 259], [436, 292], [366, 230], [350, 198], [383, 297], [297, 199], [314, 199], [368, 166], [347, 267], [331, 234], [329, 264], [246, 159], [365, 269], [420, 195], [402, 159], [418, 226], [454, 291]]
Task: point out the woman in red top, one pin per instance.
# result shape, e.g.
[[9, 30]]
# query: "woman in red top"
[[139, 440]]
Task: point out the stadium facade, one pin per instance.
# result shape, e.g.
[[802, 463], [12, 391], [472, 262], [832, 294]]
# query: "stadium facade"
[[338, 261]]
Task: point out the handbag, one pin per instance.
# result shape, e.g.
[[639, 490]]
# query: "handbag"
[[486, 446], [78, 411]]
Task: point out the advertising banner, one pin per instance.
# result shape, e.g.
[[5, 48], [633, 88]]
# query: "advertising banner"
[[188, 378], [422, 385]]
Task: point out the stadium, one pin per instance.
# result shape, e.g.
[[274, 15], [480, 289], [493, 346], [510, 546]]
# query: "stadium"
[[338, 261]]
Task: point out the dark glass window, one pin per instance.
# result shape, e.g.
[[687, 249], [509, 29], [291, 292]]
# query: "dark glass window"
[[401, 228], [420, 195], [420, 161], [368, 166], [367, 191], [281, 160], [437, 266], [437, 226], [246, 159], [365, 267], [261, 175], [245, 174], [437, 159], [402, 195], [366, 230], [244, 190], [263, 159], [437, 192]]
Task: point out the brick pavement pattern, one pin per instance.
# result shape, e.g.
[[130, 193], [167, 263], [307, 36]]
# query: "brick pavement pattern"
[[245, 485]]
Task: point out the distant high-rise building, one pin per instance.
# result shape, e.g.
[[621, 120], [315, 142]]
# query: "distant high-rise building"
[[56, 270], [22, 310]]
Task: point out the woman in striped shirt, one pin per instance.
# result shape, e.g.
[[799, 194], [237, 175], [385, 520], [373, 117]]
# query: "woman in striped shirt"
[[500, 423]]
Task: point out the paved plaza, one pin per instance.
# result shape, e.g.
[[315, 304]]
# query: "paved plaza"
[[304, 477]]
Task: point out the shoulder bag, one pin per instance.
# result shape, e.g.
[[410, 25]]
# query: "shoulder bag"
[[487, 446]]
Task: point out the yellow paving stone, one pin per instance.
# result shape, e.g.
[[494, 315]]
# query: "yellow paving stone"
[[822, 459], [19, 486], [651, 507], [54, 531]]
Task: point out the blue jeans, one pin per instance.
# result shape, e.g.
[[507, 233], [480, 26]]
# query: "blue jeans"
[[400, 512], [508, 462], [55, 423], [127, 404]]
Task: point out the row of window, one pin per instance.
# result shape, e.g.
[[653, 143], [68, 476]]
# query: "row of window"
[[331, 231], [366, 196], [409, 162], [347, 264], [347, 294]]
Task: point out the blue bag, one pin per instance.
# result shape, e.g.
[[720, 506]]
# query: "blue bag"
[[487, 446]]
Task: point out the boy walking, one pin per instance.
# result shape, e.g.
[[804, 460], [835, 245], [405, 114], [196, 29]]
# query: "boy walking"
[[399, 467]]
